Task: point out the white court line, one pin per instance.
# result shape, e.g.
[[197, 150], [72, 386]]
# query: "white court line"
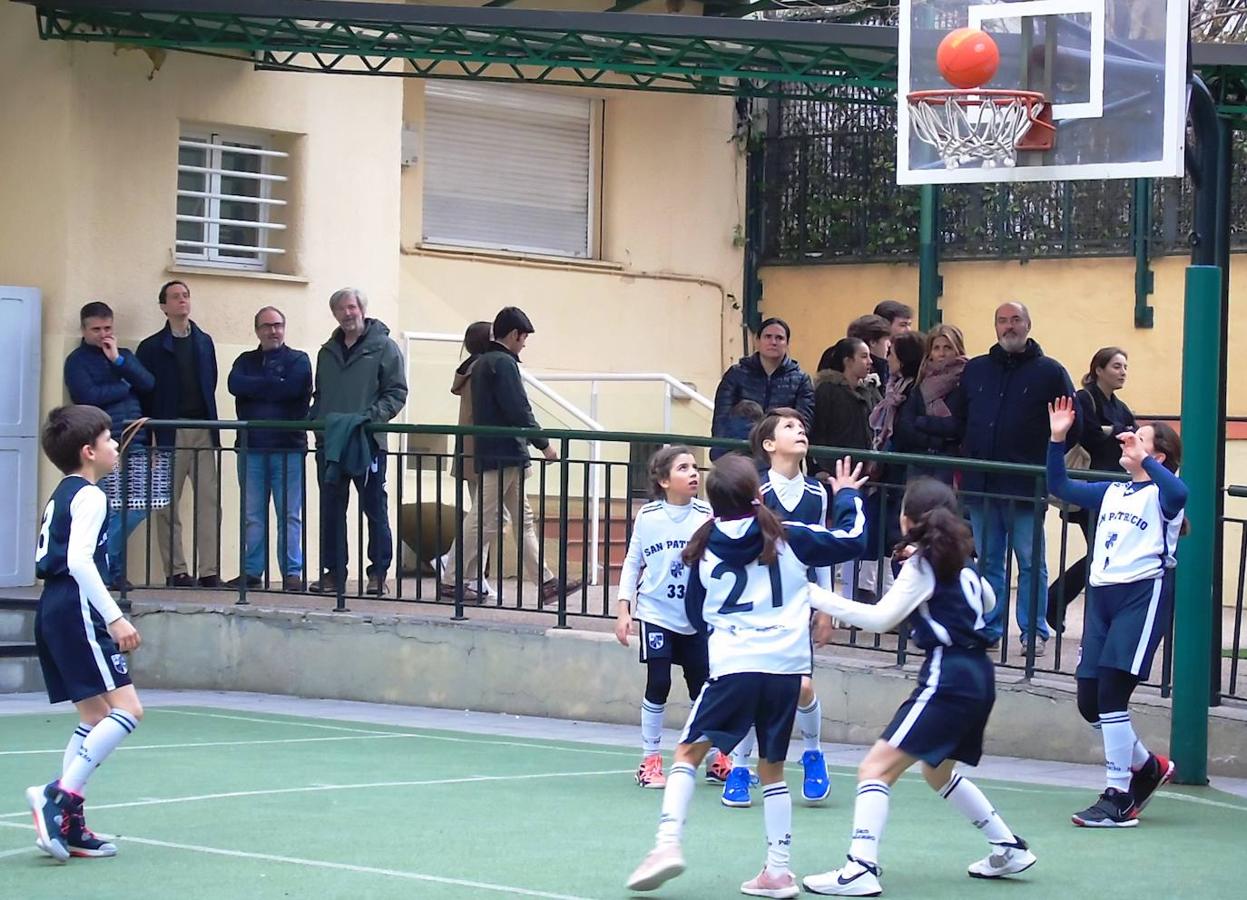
[[317, 740], [414, 734], [323, 864], [5, 854], [311, 789]]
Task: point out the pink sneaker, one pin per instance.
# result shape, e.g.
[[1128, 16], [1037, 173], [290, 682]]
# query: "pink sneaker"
[[768, 885], [717, 771], [662, 864], [649, 773]]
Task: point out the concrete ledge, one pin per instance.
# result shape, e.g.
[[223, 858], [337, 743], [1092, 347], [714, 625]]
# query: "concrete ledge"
[[570, 674]]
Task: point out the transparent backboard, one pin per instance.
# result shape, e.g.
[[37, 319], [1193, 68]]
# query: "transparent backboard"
[[1113, 71]]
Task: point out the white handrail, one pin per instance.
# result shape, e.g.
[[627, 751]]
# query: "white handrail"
[[661, 377], [595, 447]]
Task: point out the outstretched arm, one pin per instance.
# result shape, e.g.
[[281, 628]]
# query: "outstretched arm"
[[915, 584], [1061, 418]]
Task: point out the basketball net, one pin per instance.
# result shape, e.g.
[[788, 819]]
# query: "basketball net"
[[982, 126]]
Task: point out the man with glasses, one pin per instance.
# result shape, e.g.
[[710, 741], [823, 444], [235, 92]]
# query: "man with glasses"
[[272, 382]]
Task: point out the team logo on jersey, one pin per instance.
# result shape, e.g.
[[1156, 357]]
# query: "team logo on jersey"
[[656, 640], [677, 569], [119, 663]]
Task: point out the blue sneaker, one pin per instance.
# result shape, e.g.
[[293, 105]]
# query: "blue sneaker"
[[50, 806], [736, 788], [816, 787]]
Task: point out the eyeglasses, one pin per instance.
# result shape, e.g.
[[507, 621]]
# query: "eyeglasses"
[[275, 326]]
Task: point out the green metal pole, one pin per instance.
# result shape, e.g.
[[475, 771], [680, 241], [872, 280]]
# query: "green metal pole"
[[930, 285], [1188, 739]]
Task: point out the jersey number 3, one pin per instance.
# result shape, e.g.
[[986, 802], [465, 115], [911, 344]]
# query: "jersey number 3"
[[45, 532]]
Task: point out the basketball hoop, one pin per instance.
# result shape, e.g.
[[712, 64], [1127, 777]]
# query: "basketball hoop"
[[984, 126]]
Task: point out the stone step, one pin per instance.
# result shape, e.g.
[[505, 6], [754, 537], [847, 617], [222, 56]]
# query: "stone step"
[[17, 625], [20, 675]]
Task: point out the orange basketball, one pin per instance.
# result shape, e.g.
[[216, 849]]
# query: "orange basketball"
[[968, 58]]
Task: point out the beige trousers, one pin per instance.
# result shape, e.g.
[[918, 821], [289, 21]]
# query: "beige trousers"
[[508, 485], [194, 460]]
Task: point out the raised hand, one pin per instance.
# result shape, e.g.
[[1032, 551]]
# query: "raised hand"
[[1061, 417], [847, 476]]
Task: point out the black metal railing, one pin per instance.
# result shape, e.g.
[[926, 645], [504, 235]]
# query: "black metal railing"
[[584, 503]]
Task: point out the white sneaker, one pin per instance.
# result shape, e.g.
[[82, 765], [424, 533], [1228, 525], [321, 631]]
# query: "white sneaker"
[[767, 885], [858, 879], [662, 864], [1005, 859]]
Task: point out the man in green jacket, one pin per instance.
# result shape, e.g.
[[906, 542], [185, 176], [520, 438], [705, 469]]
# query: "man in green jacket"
[[359, 371]]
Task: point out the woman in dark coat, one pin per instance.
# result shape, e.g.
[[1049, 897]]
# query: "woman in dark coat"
[[905, 358], [770, 378], [924, 424], [1104, 417]]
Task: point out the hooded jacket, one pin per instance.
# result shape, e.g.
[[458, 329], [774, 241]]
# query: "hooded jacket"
[[747, 380], [1001, 413], [842, 414], [367, 380]]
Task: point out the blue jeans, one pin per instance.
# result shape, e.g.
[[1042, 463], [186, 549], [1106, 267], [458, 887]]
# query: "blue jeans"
[[117, 540], [277, 474], [999, 524]]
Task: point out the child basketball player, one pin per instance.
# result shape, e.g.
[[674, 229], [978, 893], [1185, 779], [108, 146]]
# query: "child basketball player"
[[779, 443], [945, 600], [1129, 602], [748, 586], [80, 632], [652, 586]]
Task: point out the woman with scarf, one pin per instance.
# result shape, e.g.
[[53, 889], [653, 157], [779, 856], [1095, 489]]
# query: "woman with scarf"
[[924, 423], [904, 363]]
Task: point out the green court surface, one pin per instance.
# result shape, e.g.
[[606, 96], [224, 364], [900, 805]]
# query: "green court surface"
[[220, 804]]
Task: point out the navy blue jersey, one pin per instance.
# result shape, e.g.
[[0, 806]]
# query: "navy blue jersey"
[[65, 510], [811, 504]]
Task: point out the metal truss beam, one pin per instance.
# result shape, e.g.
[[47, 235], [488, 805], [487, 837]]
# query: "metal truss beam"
[[686, 54]]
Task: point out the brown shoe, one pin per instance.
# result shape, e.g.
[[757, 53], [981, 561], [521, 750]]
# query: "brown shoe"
[[550, 589], [470, 594], [377, 586], [327, 584], [292, 584]]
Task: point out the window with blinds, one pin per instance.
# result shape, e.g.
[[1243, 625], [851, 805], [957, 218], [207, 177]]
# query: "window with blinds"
[[229, 210], [508, 168]]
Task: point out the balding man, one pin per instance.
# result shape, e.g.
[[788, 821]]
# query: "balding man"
[[1001, 414]]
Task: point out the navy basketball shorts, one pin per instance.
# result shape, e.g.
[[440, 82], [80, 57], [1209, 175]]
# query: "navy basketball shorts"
[[78, 656], [688, 651], [945, 716], [1123, 625], [730, 705]]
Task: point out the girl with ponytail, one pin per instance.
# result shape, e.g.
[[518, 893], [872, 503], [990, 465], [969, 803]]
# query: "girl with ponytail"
[[942, 722]]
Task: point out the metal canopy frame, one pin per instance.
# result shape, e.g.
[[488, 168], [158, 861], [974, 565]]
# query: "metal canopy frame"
[[689, 54]]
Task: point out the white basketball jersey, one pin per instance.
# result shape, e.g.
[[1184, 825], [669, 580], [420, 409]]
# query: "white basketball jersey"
[[759, 616], [1133, 539], [654, 575]]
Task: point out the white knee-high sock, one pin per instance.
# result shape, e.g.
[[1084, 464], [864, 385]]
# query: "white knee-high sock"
[[870, 814], [810, 724], [103, 740], [740, 756], [1139, 754], [965, 797], [675, 799], [1119, 741], [651, 726], [777, 810], [75, 744]]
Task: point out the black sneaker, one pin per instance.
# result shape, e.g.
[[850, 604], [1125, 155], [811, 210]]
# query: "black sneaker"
[[1114, 809], [180, 581], [48, 805], [1156, 771], [80, 840]]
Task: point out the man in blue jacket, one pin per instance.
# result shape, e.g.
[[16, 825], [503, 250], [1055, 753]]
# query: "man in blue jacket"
[[273, 382], [182, 358], [1001, 414], [99, 373]]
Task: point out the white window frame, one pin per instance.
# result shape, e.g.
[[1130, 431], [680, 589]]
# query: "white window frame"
[[592, 210], [209, 251]]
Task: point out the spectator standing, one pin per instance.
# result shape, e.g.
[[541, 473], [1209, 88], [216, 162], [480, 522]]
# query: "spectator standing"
[[876, 332], [360, 375], [1000, 409], [770, 378], [904, 361], [900, 316], [1104, 416], [182, 359], [843, 400], [502, 463], [925, 424], [273, 382], [99, 373]]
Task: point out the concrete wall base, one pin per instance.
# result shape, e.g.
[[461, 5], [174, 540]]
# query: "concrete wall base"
[[571, 674]]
